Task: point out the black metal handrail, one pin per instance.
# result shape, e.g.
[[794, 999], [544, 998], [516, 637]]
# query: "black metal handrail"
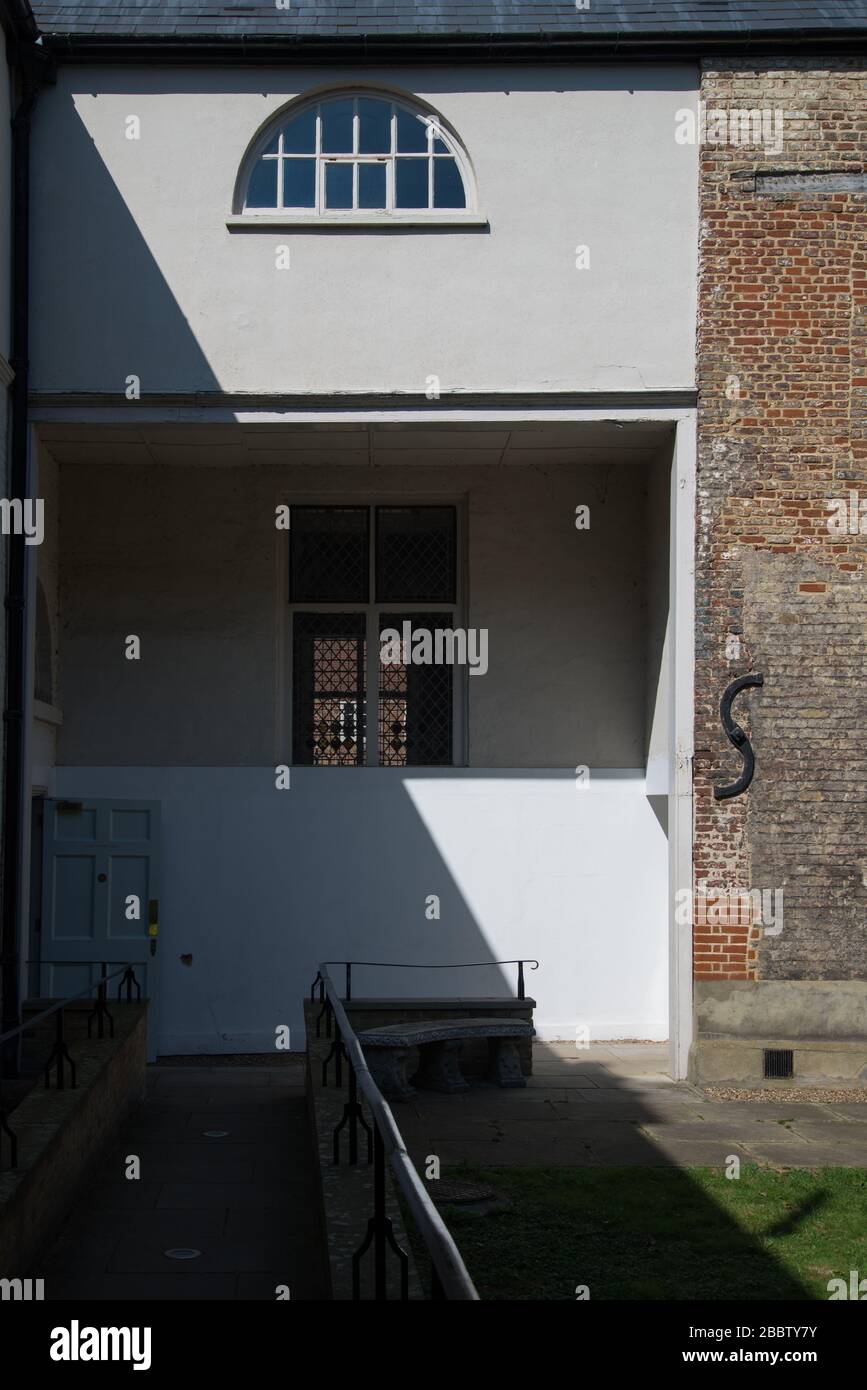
[[413, 965], [60, 1056], [449, 1277]]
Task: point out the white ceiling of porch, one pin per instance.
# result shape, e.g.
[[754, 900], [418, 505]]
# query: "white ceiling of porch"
[[376, 445]]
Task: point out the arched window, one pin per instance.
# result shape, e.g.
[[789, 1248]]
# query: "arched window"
[[353, 155]]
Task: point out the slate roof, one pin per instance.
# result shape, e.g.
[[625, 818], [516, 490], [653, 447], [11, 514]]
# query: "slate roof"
[[609, 20]]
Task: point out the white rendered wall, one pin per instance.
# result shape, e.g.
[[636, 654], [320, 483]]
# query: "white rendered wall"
[[135, 271], [259, 885]]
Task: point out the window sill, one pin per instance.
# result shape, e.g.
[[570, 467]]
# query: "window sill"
[[384, 221]]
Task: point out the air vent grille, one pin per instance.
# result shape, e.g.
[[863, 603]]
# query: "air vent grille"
[[779, 1062]]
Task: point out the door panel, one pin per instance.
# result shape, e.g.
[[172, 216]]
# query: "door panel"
[[100, 870]]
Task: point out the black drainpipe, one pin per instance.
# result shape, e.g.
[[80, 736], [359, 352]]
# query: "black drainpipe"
[[20, 482]]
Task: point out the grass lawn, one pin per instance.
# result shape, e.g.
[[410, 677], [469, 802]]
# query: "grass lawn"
[[660, 1233]]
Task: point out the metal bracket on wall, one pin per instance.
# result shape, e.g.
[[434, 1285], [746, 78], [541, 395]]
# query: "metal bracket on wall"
[[737, 737]]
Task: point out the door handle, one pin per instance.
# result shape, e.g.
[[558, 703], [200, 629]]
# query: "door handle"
[[153, 923]]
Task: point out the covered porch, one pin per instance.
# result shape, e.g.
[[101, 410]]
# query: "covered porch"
[[324, 806]]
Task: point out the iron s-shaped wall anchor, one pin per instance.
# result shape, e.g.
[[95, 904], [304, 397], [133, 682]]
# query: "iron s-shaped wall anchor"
[[737, 737]]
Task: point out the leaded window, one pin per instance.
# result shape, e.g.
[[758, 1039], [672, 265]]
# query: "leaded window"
[[353, 574]]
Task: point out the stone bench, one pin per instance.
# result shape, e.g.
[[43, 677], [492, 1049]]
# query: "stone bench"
[[439, 1043]]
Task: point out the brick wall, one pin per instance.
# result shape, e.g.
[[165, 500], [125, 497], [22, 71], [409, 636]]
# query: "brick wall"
[[782, 431]]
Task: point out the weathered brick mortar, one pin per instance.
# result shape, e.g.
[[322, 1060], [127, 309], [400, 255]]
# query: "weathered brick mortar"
[[783, 284]]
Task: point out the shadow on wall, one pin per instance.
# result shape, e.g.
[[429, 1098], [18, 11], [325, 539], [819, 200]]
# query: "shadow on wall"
[[259, 886], [128, 296]]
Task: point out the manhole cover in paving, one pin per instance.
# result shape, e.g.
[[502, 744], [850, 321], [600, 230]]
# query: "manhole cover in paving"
[[454, 1193], [182, 1253]]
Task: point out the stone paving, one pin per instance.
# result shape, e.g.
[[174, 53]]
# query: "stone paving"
[[615, 1104], [248, 1201]]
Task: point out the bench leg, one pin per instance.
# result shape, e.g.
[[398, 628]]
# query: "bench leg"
[[388, 1069], [439, 1067], [504, 1064]]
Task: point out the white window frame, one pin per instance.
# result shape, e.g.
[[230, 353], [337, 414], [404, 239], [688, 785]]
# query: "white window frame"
[[456, 610], [319, 214]]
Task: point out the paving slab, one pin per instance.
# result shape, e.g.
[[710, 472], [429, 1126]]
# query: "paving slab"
[[218, 1256], [86, 1252], [702, 1153], [170, 1226], [812, 1127], [855, 1112], [215, 1078], [259, 1222], [790, 1153], [775, 1114], [123, 1194], [636, 1097], [234, 1196], [718, 1132]]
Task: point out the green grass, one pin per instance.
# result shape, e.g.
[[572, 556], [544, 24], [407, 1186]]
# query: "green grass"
[[658, 1233]]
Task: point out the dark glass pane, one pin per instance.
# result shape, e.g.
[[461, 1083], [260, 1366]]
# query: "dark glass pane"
[[338, 185], [262, 189], [412, 135], [374, 126], [410, 183], [416, 701], [328, 549], [415, 554], [337, 126], [328, 686], [273, 147], [299, 136], [448, 185], [371, 185], [299, 183]]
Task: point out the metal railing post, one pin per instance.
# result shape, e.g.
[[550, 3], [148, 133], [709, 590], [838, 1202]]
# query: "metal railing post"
[[385, 1145], [379, 1217]]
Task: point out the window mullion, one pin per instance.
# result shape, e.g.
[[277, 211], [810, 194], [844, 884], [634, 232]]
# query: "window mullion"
[[320, 174]]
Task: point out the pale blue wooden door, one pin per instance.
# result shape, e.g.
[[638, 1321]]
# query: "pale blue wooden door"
[[100, 895]]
